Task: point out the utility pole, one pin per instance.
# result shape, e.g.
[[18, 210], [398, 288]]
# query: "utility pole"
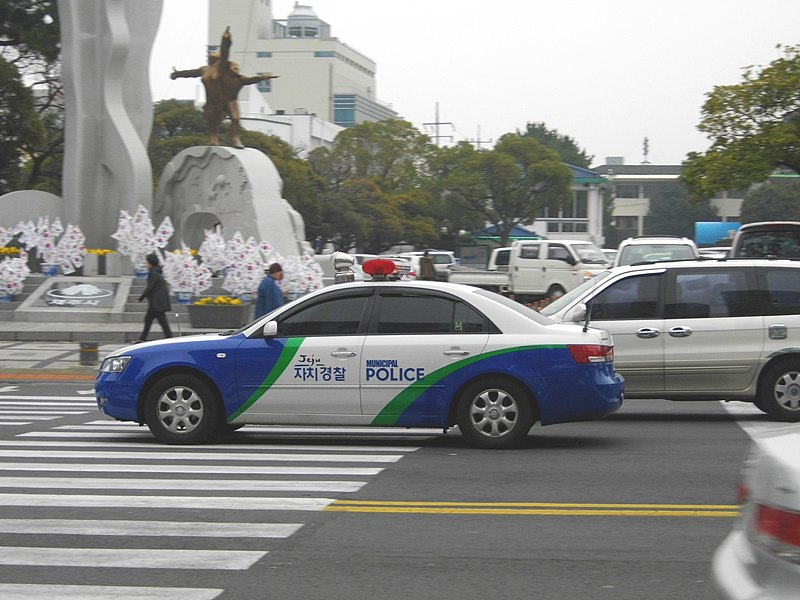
[[477, 142], [435, 125]]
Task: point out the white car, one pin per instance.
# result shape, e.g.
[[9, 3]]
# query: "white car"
[[691, 330], [381, 353], [443, 260], [760, 558], [654, 249]]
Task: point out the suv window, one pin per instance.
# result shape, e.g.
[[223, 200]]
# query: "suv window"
[[783, 243], [634, 297], [410, 314], [713, 293], [783, 291]]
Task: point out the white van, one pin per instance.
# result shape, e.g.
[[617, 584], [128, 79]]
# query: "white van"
[[552, 267]]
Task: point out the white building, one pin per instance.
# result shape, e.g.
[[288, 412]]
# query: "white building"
[[323, 85]]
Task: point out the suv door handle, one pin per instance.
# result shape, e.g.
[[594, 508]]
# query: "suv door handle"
[[647, 333], [680, 331]]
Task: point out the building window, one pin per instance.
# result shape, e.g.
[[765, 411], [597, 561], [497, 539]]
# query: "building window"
[[263, 54], [628, 190], [264, 86], [324, 54]]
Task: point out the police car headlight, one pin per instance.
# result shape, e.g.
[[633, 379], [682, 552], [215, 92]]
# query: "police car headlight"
[[114, 364]]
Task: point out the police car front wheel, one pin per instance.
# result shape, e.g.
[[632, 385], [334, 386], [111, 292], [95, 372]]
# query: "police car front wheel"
[[182, 409], [495, 415]]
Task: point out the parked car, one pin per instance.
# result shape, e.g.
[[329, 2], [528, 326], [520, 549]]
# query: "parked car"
[[443, 260], [609, 253], [714, 252], [700, 329], [778, 239], [760, 558], [540, 269], [371, 353], [654, 249]]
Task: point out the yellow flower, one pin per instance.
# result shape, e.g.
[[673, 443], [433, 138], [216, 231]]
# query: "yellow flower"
[[9, 251], [100, 251], [218, 301]]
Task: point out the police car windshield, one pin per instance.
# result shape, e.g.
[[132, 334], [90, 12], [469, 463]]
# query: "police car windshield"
[[516, 306]]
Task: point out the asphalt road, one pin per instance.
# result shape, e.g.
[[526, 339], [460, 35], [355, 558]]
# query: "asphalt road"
[[629, 507]]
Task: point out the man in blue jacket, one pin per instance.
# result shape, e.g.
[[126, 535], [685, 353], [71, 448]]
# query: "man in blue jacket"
[[269, 294]]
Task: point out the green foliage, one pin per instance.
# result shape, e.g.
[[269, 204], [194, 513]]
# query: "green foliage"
[[671, 212], [31, 27], [773, 201], [566, 147], [508, 185], [753, 126], [20, 126], [374, 188]]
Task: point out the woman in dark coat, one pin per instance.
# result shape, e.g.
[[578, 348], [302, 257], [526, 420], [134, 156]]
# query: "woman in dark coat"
[[157, 295]]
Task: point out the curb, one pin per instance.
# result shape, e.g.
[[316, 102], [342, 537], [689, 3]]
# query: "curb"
[[48, 375]]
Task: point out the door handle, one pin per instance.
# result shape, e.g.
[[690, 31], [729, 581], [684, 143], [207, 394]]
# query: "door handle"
[[647, 333], [680, 331], [343, 354], [456, 352]]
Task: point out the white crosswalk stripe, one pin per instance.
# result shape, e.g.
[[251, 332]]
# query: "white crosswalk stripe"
[[92, 472]]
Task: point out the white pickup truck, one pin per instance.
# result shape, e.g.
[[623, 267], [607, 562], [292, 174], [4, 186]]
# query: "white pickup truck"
[[538, 268], [493, 277]]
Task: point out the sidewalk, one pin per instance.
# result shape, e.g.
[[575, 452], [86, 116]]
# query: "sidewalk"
[[49, 361]]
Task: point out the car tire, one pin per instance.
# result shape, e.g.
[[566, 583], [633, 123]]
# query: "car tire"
[[492, 414], [555, 291], [779, 393], [182, 409]]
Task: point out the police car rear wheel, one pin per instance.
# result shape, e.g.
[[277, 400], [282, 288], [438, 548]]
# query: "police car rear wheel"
[[779, 395], [182, 409], [492, 415]]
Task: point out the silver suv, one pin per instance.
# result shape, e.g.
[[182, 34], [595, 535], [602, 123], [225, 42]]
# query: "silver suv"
[[690, 330], [647, 248]]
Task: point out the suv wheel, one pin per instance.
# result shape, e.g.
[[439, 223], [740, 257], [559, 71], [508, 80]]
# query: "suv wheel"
[[779, 394]]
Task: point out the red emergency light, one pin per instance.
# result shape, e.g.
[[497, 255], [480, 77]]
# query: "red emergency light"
[[379, 268]]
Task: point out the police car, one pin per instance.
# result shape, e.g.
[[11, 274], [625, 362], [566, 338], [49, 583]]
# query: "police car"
[[379, 353]]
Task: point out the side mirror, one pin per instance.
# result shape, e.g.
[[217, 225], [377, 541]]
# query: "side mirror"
[[576, 314], [270, 329]]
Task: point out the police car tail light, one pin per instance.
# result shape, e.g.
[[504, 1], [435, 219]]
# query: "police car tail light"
[[591, 353], [777, 530]]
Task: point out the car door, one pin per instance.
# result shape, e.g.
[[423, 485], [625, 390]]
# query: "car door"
[[413, 335], [713, 329], [313, 366], [631, 310], [527, 274]]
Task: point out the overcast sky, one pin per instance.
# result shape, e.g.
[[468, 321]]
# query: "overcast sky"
[[608, 74]]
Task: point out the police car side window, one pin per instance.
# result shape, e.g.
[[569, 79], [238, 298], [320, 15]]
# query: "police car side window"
[[336, 316], [402, 314], [633, 297]]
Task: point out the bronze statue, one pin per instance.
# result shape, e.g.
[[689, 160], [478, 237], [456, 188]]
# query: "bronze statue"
[[222, 81]]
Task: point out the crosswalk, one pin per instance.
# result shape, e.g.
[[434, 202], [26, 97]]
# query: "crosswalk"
[[97, 498]]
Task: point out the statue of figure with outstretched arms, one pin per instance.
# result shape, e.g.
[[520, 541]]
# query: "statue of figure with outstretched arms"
[[222, 81]]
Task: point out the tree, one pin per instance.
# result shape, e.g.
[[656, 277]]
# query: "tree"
[[754, 128], [563, 145], [671, 212], [772, 201], [508, 185], [31, 113], [376, 187]]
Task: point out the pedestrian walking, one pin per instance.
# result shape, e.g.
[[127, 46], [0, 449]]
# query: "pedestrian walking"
[[269, 294], [157, 295]]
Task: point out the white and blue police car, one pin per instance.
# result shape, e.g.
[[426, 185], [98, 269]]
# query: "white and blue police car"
[[388, 353]]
